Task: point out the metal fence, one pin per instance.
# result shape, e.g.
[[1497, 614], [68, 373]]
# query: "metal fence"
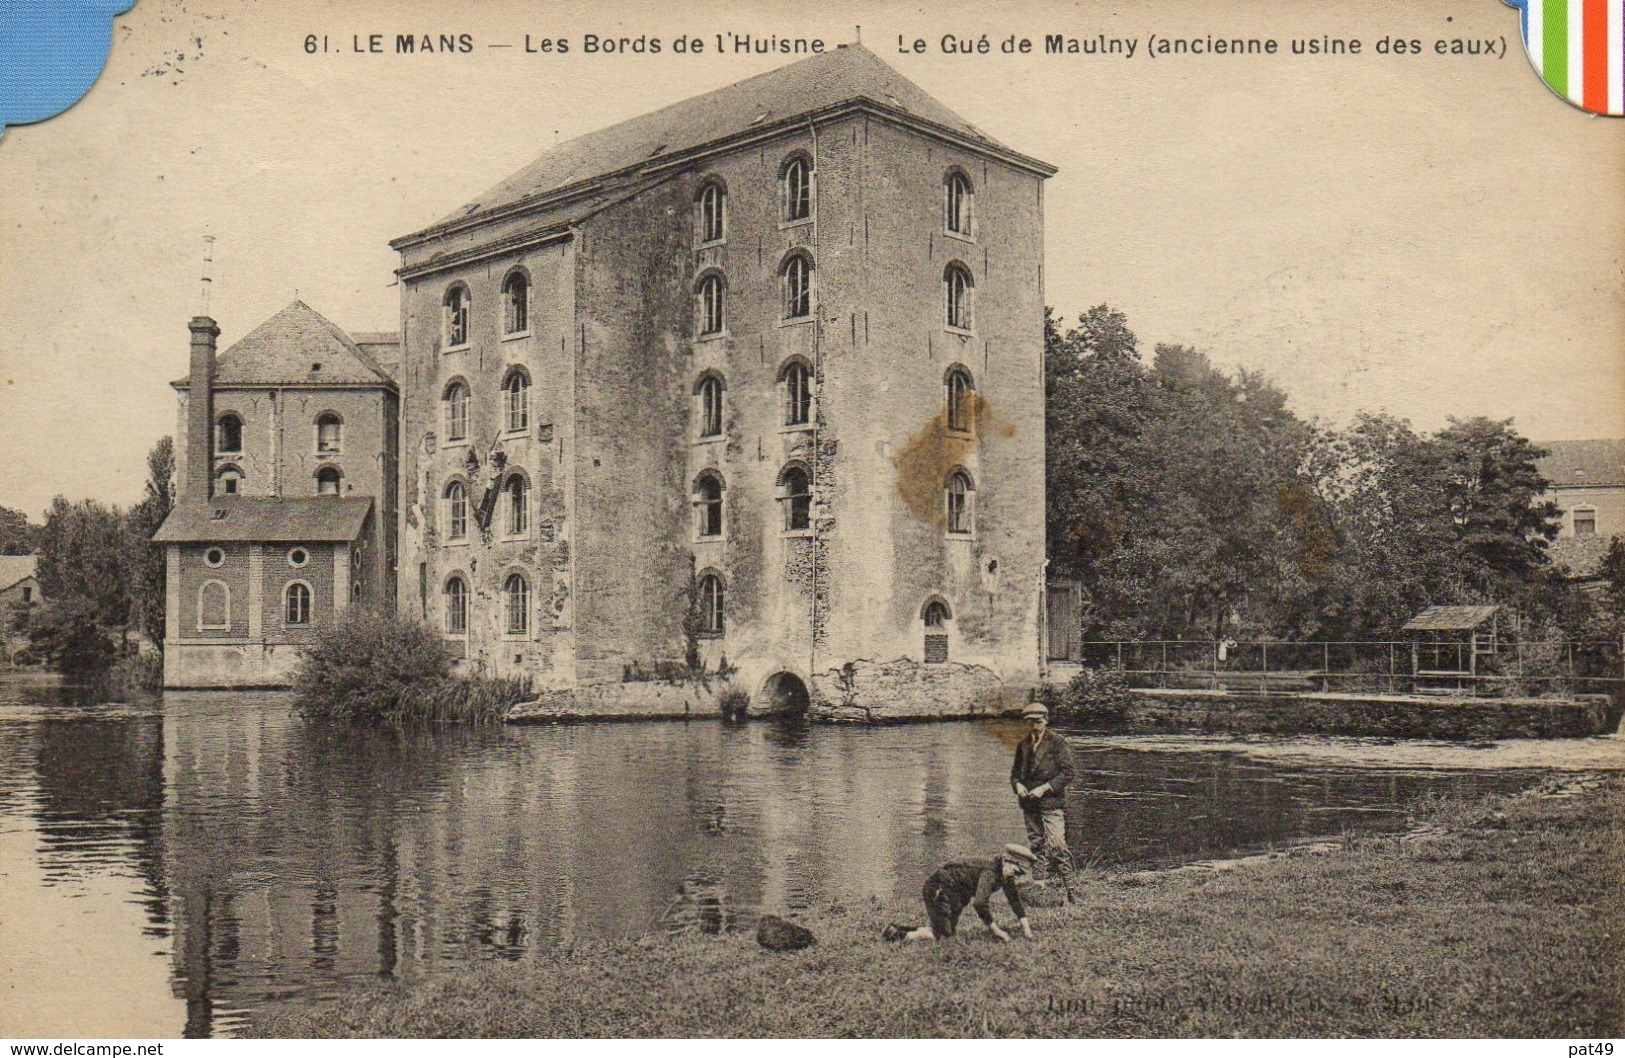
[[1397, 666]]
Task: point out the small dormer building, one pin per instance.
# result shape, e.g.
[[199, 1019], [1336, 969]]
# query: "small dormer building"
[[285, 514]]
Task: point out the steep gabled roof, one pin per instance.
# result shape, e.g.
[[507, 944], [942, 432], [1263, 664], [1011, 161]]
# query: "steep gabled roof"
[[297, 346], [1577, 463], [302, 519], [848, 74], [15, 568]]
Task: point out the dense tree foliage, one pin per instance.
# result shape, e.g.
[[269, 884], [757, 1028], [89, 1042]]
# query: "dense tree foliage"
[[18, 536], [1193, 503], [99, 570]]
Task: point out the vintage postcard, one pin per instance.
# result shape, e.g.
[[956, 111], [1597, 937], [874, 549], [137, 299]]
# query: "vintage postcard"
[[779, 520]]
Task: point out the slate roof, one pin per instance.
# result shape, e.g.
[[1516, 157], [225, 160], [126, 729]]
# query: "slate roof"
[[15, 568], [286, 350], [249, 518], [1450, 618], [382, 347], [766, 102], [1576, 463]]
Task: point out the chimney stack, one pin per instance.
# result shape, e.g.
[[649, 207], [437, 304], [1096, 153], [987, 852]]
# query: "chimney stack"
[[199, 484]]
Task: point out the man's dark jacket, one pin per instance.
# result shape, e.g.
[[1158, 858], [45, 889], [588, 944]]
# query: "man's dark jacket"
[[1048, 762]]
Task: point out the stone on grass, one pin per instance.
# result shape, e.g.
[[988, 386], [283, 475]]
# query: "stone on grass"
[[776, 934]]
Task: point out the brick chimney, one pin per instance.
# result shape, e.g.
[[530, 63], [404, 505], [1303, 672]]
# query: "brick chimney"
[[199, 484]]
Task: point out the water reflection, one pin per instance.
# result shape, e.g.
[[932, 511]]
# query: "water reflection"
[[290, 859]]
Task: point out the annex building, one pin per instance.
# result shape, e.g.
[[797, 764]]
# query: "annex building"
[[752, 384]]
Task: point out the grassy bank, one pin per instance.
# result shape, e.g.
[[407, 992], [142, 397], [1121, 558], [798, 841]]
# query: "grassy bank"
[[1498, 918]]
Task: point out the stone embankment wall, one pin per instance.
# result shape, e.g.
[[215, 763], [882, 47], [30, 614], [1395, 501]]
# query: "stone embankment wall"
[[1393, 716]]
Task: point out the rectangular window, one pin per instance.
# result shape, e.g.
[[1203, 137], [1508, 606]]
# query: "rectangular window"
[[1585, 523]]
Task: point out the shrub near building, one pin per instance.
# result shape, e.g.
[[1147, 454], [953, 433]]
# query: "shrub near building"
[[382, 669]]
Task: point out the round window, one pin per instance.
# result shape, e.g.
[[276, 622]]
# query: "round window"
[[214, 556], [298, 557]]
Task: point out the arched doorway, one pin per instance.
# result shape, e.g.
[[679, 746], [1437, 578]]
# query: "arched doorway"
[[784, 694]]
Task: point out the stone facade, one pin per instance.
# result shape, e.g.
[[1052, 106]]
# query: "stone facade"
[[618, 564]]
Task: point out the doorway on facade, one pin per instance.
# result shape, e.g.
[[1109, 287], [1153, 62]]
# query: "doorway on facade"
[[784, 694]]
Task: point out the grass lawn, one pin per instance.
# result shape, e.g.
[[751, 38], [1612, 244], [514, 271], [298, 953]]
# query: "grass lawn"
[[1497, 918]]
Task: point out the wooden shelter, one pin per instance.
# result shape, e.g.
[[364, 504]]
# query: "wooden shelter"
[[1449, 641]]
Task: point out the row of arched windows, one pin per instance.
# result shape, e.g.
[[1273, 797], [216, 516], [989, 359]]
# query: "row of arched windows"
[[228, 480], [214, 605], [515, 605], [796, 295], [795, 382], [513, 507], [793, 489], [457, 304], [796, 201], [457, 397], [228, 433]]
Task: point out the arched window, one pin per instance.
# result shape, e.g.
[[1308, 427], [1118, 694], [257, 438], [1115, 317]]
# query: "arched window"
[[713, 212], [516, 399], [710, 391], [956, 204], [228, 434], [709, 307], [213, 606], [456, 606], [296, 603], [959, 493], [456, 511], [516, 595], [710, 602], [454, 312], [960, 396], [515, 303], [796, 181], [328, 426], [959, 290], [708, 504], [456, 402], [936, 614], [228, 481], [516, 497], [796, 377], [796, 280], [328, 480], [795, 493]]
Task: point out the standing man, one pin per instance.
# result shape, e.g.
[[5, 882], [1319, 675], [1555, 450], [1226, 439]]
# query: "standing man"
[[1042, 770]]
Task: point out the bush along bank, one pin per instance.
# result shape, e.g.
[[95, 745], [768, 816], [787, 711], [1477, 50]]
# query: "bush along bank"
[[378, 668], [1491, 917]]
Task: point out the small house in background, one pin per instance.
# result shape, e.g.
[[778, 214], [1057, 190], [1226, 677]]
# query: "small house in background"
[[1450, 642], [19, 595], [1587, 480]]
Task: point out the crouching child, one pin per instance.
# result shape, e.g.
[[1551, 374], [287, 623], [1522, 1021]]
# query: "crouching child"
[[972, 882]]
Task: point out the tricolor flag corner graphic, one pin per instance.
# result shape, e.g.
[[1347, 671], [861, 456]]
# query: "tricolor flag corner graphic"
[[1578, 48]]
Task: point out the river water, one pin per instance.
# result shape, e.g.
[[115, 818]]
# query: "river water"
[[167, 868]]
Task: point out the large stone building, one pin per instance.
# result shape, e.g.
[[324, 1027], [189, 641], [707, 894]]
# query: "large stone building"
[[752, 384], [285, 513], [756, 379]]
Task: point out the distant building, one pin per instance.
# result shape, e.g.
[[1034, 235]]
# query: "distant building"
[[1588, 482], [757, 376], [18, 584], [286, 507]]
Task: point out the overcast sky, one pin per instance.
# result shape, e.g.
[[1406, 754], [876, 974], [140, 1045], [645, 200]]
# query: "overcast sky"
[[1429, 235]]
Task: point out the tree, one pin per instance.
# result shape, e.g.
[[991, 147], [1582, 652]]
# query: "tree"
[[1494, 490], [17, 535], [82, 556], [144, 560]]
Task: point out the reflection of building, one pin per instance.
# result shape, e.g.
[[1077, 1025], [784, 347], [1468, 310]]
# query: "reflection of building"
[[1587, 480], [286, 508], [757, 375]]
